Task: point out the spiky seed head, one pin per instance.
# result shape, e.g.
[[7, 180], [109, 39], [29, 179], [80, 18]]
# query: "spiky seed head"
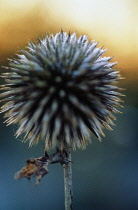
[[61, 90]]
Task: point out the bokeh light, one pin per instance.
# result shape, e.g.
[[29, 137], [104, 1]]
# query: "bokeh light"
[[112, 23]]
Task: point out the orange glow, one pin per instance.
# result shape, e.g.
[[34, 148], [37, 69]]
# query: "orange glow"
[[112, 23]]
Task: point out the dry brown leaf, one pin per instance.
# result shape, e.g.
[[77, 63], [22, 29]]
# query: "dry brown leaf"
[[38, 167], [34, 167]]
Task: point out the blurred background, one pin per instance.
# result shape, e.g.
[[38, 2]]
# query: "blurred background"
[[105, 175]]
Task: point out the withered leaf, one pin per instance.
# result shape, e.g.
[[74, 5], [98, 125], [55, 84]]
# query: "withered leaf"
[[34, 167], [38, 167]]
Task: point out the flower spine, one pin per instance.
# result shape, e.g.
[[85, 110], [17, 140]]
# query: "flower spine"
[[61, 90]]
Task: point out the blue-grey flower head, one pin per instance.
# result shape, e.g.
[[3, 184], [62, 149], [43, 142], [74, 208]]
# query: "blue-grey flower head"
[[61, 90]]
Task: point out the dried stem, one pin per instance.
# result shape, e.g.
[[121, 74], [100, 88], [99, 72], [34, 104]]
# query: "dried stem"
[[38, 167], [68, 182]]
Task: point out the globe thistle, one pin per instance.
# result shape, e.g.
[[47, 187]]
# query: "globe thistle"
[[61, 90]]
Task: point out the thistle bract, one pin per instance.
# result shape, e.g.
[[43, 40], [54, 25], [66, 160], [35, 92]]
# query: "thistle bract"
[[61, 90]]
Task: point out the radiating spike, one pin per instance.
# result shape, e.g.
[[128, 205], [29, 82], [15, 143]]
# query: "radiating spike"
[[60, 89]]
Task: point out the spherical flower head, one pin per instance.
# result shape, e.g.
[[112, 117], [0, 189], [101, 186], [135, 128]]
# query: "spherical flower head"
[[61, 90]]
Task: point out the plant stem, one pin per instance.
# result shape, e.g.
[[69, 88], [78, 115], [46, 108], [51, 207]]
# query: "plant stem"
[[68, 182]]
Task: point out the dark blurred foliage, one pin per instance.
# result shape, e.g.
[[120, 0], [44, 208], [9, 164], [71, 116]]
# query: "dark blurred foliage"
[[104, 175]]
